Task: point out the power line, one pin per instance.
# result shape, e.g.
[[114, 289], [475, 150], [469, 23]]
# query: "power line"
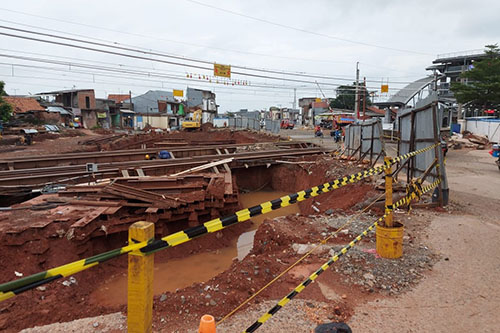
[[306, 31], [158, 53], [120, 66], [153, 59], [177, 42], [145, 74], [225, 90]]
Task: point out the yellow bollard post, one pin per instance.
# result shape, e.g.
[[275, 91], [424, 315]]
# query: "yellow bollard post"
[[388, 194], [389, 238], [140, 281]]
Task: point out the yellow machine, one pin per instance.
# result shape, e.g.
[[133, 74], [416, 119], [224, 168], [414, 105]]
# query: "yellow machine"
[[194, 123]]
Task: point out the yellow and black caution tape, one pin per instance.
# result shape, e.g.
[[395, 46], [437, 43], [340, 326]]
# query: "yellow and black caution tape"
[[12, 288], [307, 254], [327, 265]]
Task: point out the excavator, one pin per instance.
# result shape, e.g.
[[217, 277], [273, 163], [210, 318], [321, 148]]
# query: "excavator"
[[194, 123]]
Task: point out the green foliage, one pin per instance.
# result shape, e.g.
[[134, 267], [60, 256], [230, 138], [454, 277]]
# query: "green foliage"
[[482, 89], [5, 108], [346, 97]]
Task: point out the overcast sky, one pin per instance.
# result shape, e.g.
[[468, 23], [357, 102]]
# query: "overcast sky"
[[392, 40]]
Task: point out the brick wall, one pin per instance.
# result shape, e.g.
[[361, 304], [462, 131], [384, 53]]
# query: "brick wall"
[[81, 99]]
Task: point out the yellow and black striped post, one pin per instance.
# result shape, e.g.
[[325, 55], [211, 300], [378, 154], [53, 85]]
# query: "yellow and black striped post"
[[388, 192], [140, 280]]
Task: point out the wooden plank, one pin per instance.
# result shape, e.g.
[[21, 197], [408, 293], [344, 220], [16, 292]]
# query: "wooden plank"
[[203, 167]]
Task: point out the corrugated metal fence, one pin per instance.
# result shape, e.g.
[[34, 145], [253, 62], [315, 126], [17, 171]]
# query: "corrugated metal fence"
[[365, 139], [420, 128]]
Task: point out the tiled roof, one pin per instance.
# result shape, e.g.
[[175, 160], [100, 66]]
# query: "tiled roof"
[[23, 104]]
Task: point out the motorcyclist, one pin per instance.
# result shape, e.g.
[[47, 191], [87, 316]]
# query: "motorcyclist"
[[317, 131]]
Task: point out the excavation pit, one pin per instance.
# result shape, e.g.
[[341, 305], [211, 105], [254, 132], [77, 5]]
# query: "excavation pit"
[[101, 289]]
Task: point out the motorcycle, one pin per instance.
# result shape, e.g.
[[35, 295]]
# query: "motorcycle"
[[495, 152]]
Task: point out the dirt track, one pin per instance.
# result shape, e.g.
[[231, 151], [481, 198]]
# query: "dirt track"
[[460, 294]]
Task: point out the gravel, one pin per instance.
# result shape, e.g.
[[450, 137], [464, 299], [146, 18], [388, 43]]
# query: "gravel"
[[114, 322], [297, 316], [361, 265]]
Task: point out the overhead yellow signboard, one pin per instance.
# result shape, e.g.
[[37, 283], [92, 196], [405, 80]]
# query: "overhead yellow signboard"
[[384, 88], [222, 70], [178, 93], [318, 100]]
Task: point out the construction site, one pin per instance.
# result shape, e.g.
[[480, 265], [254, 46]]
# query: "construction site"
[[154, 178], [78, 197]]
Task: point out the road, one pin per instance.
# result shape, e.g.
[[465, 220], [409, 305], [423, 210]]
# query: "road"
[[461, 293]]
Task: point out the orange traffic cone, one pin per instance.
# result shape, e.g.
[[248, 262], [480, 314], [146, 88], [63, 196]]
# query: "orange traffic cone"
[[207, 324]]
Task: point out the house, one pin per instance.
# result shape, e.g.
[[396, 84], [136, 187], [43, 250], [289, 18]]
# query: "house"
[[318, 108], [104, 108], [157, 108], [291, 114], [65, 117], [28, 108], [148, 102], [204, 100], [275, 113], [81, 102], [305, 105], [122, 114]]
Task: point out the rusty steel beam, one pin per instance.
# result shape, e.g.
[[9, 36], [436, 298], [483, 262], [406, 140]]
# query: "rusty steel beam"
[[43, 161], [38, 177]]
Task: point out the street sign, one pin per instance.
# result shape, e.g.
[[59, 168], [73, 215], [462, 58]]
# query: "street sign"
[[384, 88], [222, 70], [178, 93]]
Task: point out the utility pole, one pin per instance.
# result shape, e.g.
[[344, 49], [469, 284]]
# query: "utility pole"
[[364, 97], [356, 97], [294, 97]]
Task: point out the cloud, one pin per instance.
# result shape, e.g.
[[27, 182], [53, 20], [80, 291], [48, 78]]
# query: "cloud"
[[176, 27]]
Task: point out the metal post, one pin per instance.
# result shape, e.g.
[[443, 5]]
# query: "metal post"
[[356, 93], [356, 98], [140, 281], [364, 98], [388, 194], [294, 97]]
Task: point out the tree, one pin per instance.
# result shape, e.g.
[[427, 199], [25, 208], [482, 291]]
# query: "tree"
[[5, 108], [482, 87], [346, 97]]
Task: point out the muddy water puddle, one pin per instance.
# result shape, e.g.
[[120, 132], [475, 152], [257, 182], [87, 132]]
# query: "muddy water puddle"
[[200, 267]]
